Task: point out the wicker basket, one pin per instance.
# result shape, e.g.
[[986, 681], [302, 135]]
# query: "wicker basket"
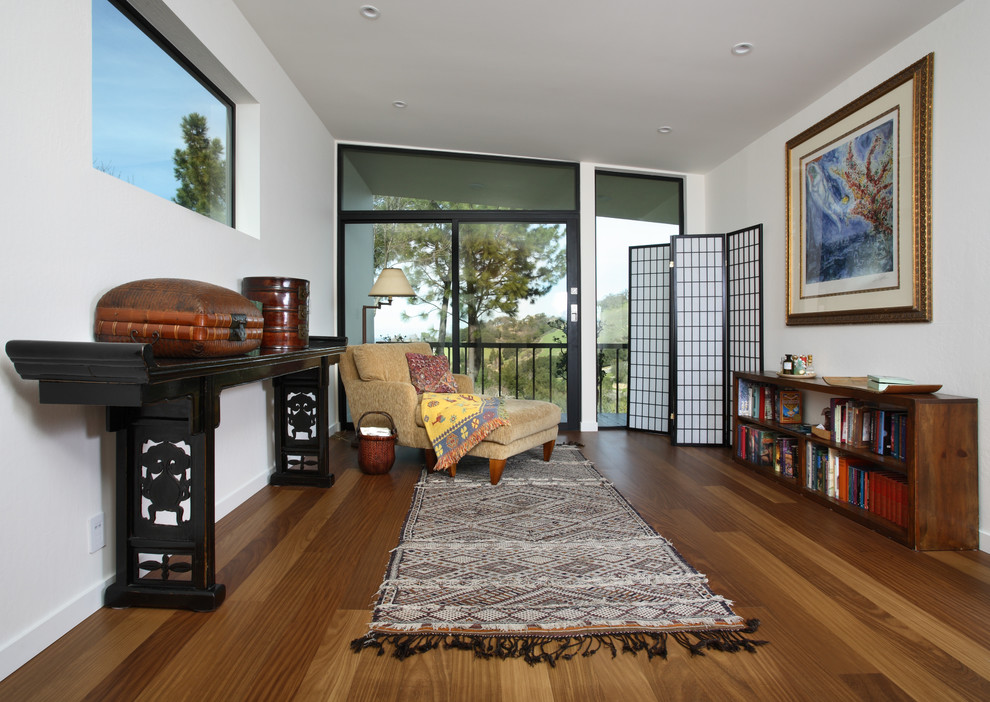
[[376, 454]]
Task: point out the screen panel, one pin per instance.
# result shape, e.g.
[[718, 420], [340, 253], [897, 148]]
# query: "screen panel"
[[696, 315], [744, 257], [699, 356], [649, 337]]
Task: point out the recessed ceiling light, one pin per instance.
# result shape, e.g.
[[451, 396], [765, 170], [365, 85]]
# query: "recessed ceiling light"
[[742, 48], [399, 103], [665, 130], [370, 12]]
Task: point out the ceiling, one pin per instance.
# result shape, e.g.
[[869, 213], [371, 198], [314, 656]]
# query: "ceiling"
[[576, 80]]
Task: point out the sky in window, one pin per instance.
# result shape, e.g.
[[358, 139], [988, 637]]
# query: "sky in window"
[[140, 95], [614, 237]]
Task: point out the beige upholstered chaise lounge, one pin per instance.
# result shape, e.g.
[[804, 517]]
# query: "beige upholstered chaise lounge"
[[376, 379]]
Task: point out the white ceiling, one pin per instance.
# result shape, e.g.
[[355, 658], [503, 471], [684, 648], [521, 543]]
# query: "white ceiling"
[[576, 80]]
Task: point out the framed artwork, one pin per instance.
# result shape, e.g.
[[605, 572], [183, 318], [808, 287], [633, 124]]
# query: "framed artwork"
[[859, 208]]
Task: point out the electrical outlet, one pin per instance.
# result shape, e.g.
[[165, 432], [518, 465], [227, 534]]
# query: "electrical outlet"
[[97, 539]]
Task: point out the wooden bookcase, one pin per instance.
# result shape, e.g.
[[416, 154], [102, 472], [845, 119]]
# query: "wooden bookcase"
[[939, 464]]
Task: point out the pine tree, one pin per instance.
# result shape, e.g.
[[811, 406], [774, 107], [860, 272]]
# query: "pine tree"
[[501, 264], [201, 170]]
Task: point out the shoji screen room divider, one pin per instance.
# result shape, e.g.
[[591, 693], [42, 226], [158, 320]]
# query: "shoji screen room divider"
[[695, 317]]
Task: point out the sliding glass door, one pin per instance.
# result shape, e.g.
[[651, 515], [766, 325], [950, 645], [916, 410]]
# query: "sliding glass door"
[[489, 245], [513, 316], [493, 296]]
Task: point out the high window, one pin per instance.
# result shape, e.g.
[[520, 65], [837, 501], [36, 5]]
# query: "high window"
[[158, 122]]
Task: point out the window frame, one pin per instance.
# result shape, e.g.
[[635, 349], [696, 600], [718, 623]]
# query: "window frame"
[[570, 218], [156, 36], [344, 147]]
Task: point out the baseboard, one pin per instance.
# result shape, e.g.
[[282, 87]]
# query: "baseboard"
[[985, 541], [25, 646], [587, 426], [229, 503], [22, 648]]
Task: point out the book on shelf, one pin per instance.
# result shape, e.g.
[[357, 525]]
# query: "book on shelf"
[[757, 401], [888, 435], [768, 403], [788, 456], [882, 382], [857, 482], [785, 455], [867, 426], [766, 451], [852, 422], [766, 448], [789, 402], [769, 393], [890, 379]]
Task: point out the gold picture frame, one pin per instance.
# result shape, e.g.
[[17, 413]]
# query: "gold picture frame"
[[859, 208]]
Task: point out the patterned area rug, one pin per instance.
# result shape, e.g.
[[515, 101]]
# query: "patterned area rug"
[[550, 563]]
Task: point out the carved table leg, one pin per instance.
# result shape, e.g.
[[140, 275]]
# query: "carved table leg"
[[165, 506], [302, 449]]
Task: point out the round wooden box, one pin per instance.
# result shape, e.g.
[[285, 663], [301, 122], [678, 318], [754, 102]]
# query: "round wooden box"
[[285, 307]]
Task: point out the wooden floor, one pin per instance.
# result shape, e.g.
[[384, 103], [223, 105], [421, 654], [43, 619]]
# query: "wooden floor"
[[849, 614]]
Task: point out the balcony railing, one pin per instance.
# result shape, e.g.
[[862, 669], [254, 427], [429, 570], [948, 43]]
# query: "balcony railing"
[[539, 371], [612, 366], [530, 371]]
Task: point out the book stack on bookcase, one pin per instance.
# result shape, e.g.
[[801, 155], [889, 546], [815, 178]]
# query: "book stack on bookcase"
[[768, 448], [769, 403], [903, 464], [762, 446], [867, 425], [858, 482]]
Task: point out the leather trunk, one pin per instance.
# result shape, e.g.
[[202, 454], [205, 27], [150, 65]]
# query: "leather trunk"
[[180, 318]]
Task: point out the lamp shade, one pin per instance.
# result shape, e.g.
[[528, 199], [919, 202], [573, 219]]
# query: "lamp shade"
[[392, 283]]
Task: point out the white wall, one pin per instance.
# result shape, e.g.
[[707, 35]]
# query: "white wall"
[[359, 257], [951, 350], [69, 234]]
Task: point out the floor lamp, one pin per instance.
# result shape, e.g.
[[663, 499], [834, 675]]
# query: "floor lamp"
[[391, 283]]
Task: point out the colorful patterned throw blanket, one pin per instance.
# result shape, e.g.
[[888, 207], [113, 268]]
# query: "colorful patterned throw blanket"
[[456, 423]]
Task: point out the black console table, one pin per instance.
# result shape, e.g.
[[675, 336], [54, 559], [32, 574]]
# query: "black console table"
[[165, 413]]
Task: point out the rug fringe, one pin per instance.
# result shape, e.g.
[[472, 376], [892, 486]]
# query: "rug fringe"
[[551, 649]]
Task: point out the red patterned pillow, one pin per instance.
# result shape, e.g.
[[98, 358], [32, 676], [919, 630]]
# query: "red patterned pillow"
[[430, 373]]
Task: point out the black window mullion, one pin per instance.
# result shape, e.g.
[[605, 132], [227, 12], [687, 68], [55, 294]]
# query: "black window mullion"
[[455, 294]]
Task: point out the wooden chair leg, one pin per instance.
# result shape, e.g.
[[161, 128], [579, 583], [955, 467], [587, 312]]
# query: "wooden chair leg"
[[495, 468], [548, 449]]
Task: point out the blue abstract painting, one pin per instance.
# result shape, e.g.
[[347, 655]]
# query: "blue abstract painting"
[[849, 204]]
